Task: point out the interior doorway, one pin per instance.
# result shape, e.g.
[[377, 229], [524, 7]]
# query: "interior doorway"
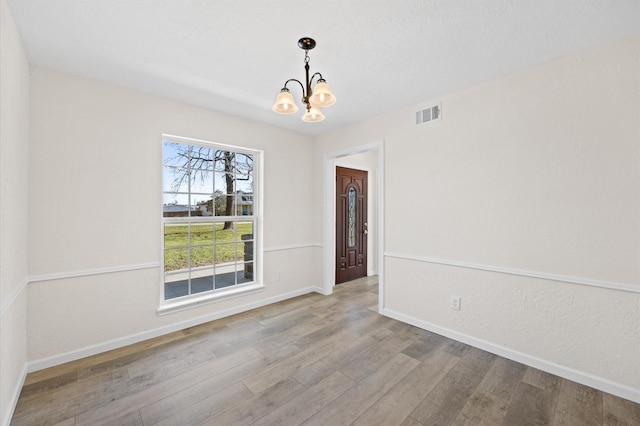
[[370, 158], [351, 224]]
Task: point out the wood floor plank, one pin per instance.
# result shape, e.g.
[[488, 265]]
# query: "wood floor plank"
[[273, 343], [205, 390], [289, 363], [74, 367], [55, 392], [619, 412], [531, 405], [173, 361], [309, 402], [259, 406], [578, 405], [355, 401], [317, 337], [502, 378], [279, 354], [57, 404], [395, 406], [271, 328], [451, 394], [327, 365], [372, 357], [128, 419], [410, 421], [541, 379], [187, 413], [422, 349], [143, 394], [67, 422], [482, 409], [289, 367]]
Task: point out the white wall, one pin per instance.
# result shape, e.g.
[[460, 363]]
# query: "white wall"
[[534, 174], [95, 170], [14, 181]]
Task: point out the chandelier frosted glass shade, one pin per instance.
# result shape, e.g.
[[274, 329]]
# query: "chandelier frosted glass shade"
[[322, 95], [284, 103], [313, 115], [314, 97]]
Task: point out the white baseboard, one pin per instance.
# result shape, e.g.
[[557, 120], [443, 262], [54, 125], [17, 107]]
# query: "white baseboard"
[[74, 355], [321, 291], [605, 385], [14, 398]]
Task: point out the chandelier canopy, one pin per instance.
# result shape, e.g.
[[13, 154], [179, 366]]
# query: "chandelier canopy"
[[314, 99]]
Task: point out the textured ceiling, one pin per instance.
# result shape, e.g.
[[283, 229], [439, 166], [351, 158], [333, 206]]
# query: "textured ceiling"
[[378, 56]]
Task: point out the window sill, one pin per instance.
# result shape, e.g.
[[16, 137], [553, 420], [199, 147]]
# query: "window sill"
[[171, 306]]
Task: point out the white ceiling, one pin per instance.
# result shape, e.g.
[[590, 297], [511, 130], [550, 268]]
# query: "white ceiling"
[[378, 56]]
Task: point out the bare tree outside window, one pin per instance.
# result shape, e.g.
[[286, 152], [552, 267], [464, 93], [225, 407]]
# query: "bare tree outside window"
[[196, 165]]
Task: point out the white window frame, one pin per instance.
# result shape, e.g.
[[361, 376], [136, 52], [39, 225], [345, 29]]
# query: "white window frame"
[[237, 290]]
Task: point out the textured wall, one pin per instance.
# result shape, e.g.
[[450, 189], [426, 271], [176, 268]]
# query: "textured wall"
[[14, 151], [537, 172], [95, 203]]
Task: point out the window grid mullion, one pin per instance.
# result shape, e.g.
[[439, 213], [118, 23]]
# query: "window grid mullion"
[[235, 265]]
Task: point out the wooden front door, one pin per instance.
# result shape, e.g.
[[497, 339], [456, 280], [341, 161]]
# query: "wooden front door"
[[351, 224]]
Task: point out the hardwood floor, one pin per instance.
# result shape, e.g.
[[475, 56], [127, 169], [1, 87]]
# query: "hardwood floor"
[[312, 360]]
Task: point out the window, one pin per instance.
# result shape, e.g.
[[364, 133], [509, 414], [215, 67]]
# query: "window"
[[209, 219]]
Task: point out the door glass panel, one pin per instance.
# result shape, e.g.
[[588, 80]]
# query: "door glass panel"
[[351, 220]]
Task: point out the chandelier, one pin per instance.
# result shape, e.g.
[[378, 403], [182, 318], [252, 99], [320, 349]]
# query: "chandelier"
[[315, 99]]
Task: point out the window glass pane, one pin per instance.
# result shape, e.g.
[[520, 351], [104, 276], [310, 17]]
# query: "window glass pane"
[[175, 180], [244, 163], [201, 256], [201, 233], [174, 154], [224, 182], [176, 235], [201, 158], [203, 206], [175, 205], [225, 276], [202, 280], [246, 274], [247, 257], [176, 286], [224, 160], [225, 254], [202, 182], [351, 220], [244, 186], [225, 205], [245, 230], [176, 259], [225, 232]]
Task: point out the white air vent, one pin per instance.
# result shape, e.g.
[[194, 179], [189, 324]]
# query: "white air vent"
[[428, 115]]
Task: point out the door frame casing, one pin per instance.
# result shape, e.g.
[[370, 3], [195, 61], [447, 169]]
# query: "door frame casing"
[[329, 234]]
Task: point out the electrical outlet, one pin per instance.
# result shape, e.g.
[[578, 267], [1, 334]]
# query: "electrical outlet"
[[278, 276], [455, 302]]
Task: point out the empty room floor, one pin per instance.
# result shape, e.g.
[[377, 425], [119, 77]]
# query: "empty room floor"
[[313, 360]]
